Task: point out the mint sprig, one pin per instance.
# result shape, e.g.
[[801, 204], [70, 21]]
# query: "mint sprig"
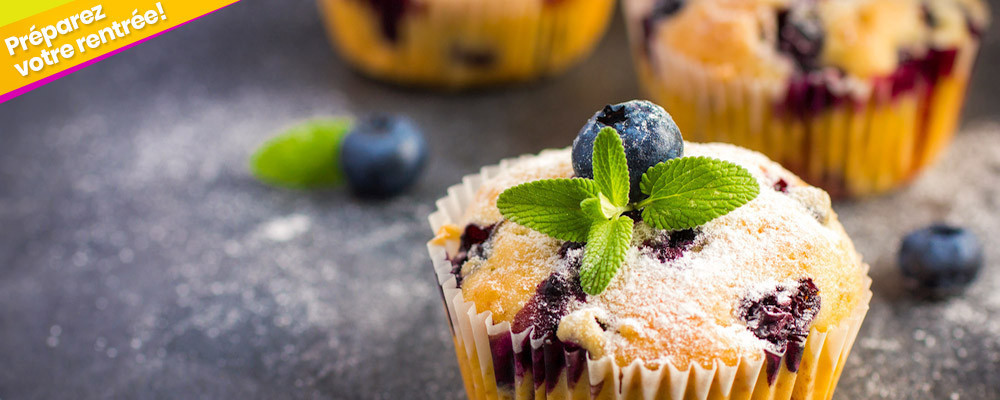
[[604, 254], [690, 191], [611, 166], [551, 206], [305, 156], [683, 193]]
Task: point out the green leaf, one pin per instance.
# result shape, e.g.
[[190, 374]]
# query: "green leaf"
[[593, 208], [690, 191], [550, 206], [607, 245], [305, 156], [600, 208], [611, 167]]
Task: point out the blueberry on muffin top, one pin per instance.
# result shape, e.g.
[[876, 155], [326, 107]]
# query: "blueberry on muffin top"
[[752, 280]]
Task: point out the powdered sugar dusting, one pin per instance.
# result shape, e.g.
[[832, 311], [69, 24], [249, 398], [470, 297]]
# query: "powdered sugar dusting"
[[548, 165], [774, 238]]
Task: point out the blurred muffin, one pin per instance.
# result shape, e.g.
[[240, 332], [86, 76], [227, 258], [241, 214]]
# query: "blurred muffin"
[[856, 96], [763, 302], [463, 43]]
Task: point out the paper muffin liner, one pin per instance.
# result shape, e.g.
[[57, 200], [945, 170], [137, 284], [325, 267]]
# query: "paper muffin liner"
[[879, 135], [497, 363], [462, 43]]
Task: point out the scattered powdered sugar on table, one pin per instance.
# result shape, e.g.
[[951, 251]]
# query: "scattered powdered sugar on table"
[[144, 251], [296, 285], [285, 228], [928, 347]]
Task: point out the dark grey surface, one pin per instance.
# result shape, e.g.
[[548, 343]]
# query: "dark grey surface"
[[138, 259]]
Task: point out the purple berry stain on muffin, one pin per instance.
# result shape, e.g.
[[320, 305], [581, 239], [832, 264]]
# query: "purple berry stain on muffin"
[[471, 244], [810, 93], [549, 304], [801, 37], [781, 185], [541, 315], [390, 15], [502, 350], [668, 246], [782, 317], [473, 57], [661, 9]]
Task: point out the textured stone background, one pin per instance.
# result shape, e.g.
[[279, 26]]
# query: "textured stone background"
[[138, 259]]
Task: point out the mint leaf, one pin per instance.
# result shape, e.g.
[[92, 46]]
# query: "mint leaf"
[[593, 208], [600, 208], [611, 167], [604, 255], [305, 156], [550, 206], [690, 191]]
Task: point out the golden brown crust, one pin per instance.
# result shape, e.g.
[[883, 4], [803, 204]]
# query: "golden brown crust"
[[684, 310], [864, 38]]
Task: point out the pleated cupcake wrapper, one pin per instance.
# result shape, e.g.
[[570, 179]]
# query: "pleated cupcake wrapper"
[[868, 145], [497, 363], [504, 41]]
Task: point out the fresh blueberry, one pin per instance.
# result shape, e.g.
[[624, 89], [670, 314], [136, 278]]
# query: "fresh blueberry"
[[383, 155], [649, 134], [940, 260]]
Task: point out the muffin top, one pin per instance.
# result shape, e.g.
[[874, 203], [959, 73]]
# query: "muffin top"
[[773, 38], [755, 279]]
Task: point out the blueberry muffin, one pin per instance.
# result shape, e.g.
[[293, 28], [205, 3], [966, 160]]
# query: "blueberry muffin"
[[462, 43], [763, 301], [856, 96]]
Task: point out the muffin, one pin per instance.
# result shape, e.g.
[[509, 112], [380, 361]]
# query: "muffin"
[[764, 301], [463, 43], [856, 96]]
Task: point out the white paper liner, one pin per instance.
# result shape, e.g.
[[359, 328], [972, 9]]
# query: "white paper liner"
[[823, 357], [867, 147]]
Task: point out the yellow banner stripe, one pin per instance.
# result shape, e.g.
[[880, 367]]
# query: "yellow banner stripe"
[[14, 10], [56, 41]]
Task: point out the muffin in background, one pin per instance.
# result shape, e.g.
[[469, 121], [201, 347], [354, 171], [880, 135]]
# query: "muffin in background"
[[454, 44], [855, 96]]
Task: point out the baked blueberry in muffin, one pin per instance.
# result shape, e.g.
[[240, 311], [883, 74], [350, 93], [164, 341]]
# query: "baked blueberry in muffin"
[[855, 96], [445, 44], [757, 281]]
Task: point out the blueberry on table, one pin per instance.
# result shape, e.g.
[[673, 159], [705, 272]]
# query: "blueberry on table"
[[648, 132], [940, 260], [383, 155]]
